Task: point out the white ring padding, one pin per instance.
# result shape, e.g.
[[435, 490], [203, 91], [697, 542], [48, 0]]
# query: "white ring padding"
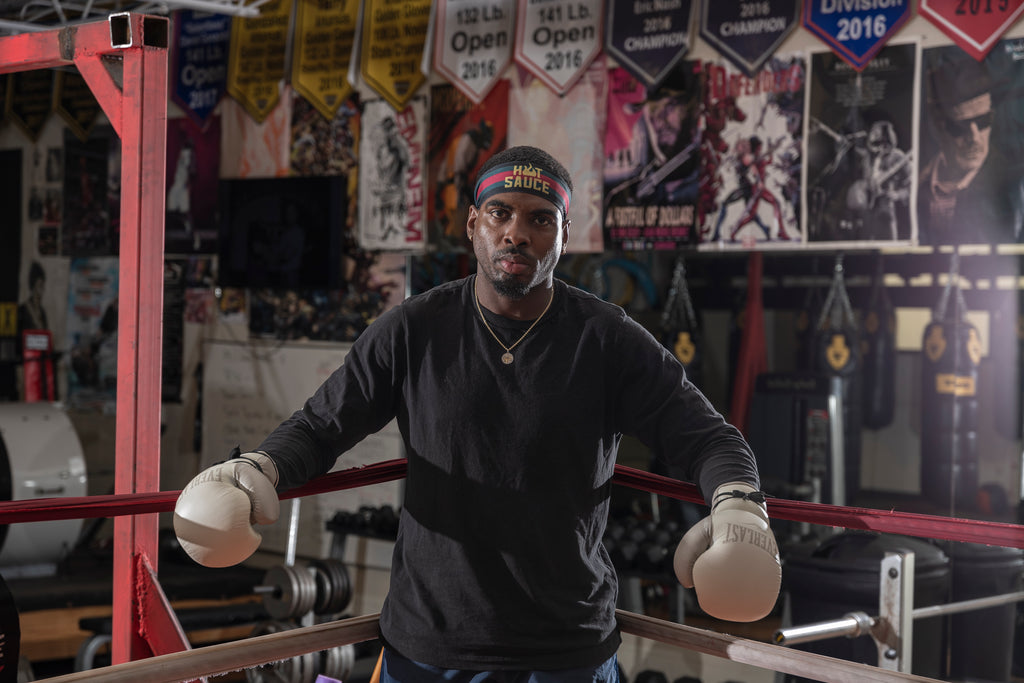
[[806, 664], [214, 660], [222, 658]]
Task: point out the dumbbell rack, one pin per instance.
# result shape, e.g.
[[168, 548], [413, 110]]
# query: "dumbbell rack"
[[296, 594]]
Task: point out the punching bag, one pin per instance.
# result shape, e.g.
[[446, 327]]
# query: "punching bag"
[[837, 355], [951, 353], [680, 332], [878, 348], [805, 320]]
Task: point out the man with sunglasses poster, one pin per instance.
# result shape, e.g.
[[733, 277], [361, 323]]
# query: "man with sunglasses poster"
[[968, 190]]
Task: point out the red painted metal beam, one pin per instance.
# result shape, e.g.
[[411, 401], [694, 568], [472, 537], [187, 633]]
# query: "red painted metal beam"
[[124, 61], [161, 629], [143, 107]]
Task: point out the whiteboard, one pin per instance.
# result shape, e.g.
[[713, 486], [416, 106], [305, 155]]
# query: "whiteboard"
[[250, 387]]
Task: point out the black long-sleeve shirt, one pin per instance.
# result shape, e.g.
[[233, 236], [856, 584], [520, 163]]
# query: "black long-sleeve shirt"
[[499, 562]]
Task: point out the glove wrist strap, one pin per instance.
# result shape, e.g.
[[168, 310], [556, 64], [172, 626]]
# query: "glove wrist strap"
[[758, 497]]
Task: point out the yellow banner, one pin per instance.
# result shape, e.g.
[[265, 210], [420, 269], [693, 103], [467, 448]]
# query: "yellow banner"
[[394, 35], [29, 100], [8, 319], [324, 35], [256, 59], [74, 102]]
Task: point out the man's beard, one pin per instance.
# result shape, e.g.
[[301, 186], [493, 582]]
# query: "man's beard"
[[510, 288]]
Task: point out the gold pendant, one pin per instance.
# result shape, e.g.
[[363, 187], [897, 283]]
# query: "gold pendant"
[[506, 358]]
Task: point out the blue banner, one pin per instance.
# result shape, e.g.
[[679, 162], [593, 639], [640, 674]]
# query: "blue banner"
[[199, 72], [648, 37], [748, 33], [855, 29]]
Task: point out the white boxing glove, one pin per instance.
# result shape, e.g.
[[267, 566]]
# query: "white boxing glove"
[[215, 512], [730, 557]]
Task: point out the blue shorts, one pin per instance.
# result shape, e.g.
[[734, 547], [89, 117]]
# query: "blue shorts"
[[397, 669]]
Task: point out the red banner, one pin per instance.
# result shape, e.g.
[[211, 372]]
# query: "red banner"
[[974, 25]]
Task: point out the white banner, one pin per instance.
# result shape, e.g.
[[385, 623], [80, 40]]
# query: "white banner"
[[474, 43], [556, 40]]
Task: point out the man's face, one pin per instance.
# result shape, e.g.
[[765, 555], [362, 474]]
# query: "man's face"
[[667, 117], [517, 239], [967, 128]]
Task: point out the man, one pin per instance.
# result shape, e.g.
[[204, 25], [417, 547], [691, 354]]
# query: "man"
[[967, 193], [883, 190], [512, 391]]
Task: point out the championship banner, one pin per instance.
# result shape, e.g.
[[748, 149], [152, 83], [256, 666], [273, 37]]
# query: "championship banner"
[[648, 38], [199, 70], [751, 156], [652, 160], [556, 40], [392, 192], [856, 29], [324, 36], [474, 43], [256, 60], [533, 107], [974, 26], [74, 102], [462, 136], [29, 100], [861, 132], [747, 33], [971, 175], [394, 34]]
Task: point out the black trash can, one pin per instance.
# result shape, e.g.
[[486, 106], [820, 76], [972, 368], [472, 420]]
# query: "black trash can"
[[842, 574], [982, 641]]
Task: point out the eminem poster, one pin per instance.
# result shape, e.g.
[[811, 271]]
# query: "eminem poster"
[[652, 160], [861, 132], [751, 153], [971, 184]]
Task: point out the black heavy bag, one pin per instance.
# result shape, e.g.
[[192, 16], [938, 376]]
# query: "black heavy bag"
[[804, 322], [878, 349], [950, 354], [680, 332], [837, 355], [1004, 350]]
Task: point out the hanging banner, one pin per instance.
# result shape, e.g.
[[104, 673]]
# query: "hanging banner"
[[974, 26], [29, 100], [74, 102], [474, 43], [256, 61], [532, 108], [556, 40], [971, 177], [392, 192], [860, 135], [463, 136], [648, 38], [394, 33], [199, 70], [652, 160], [747, 33], [856, 29], [751, 156], [324, 36]]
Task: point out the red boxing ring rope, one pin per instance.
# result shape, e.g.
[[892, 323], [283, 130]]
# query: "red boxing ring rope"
[[906, 523]]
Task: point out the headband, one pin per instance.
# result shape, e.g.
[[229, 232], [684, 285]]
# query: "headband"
[[531, 179]]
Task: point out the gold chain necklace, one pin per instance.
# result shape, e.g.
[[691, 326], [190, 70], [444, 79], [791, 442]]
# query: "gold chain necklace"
[[507, 357]]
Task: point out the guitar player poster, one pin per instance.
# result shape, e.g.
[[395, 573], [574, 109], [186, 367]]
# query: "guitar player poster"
[[751, 153], [652, 160], [861, 133]]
